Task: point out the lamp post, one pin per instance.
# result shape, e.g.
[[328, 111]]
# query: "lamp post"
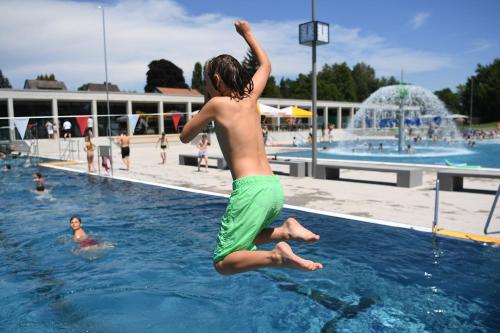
[[314, 33], [107, 87], [471, 93]]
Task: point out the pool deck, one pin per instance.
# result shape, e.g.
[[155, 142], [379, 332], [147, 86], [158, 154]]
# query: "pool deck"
[[465, 212]]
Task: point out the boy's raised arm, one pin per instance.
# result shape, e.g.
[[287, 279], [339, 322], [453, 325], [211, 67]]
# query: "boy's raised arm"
[[262, 74]]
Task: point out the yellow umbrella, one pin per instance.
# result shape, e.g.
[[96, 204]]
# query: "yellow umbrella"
[[295, 112]]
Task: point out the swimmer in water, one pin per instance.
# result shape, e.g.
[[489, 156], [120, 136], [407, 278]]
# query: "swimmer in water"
[[85, 243], [39, 182]]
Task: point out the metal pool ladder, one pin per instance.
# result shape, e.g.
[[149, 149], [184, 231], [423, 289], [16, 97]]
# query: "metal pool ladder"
[[491, 211]]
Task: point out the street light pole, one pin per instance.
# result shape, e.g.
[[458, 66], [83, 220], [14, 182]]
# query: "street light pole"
[[471, 93], [107, 87], [314, 96], [312, 34]]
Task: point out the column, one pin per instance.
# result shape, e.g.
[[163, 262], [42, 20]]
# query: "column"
[[93, 109], [374, 119], [363, 119], [189, 109], [55, 116], [351, 114], [10, 114], [325, 117], [129, 113], [339, 117], [161, 117], [278, 122]]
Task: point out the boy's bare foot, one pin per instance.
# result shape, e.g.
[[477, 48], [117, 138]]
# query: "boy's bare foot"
[[295, 231], [288, 259]]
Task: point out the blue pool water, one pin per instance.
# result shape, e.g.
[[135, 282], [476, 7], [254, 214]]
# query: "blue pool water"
[[485, 154], [159, 276]]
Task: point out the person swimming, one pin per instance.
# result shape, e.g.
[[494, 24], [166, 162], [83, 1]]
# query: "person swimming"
[[37, 177], [83, 240]]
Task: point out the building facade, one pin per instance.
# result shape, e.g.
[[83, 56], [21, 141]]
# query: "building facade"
[[156, 112]]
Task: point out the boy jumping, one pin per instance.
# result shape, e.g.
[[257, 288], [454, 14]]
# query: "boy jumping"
[[257, 197]]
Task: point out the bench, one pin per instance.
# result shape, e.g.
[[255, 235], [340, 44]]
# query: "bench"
[[453, 179], [406, 176], [192, 159], [297, 168]]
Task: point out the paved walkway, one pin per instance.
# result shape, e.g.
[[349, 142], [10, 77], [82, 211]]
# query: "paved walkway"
[[464, 212]]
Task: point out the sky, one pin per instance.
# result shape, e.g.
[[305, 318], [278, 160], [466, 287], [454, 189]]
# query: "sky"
[[437, 44]]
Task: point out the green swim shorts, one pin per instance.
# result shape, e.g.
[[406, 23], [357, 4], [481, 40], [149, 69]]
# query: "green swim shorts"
[[254, 203]]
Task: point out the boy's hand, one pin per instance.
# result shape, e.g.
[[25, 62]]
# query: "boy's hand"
[[242, 27]]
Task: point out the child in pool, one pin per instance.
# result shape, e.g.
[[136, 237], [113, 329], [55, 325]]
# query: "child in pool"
[[39, 183], [85, 243], [257, 197]]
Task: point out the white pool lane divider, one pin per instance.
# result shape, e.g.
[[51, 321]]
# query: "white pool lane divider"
[[437, 231]]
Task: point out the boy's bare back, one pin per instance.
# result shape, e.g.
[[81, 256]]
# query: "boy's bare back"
[[240, 136], [237, 118]]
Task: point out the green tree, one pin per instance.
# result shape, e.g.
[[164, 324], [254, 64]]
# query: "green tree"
[[335, 82], [388, 81], [301, 87], [271, 89], [450, 99], [46, 77], [326, 81], [197, 81], [163, 73], [250, 62], [365, 81], [84, 87], [4, 82], [485, 92], [285, 87]]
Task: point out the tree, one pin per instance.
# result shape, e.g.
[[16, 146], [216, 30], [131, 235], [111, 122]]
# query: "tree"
[[301, 87], [450, 99], [46, 77], [163, 73], [364, 80], [250, 63], [197, 81], [335, 82], [485, 92], [388, 81], [4, 82], [84, 87], [271, 89]]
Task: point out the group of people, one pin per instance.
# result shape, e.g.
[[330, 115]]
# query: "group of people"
[[67, 128]]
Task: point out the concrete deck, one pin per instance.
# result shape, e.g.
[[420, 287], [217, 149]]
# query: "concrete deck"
[[464, 212]]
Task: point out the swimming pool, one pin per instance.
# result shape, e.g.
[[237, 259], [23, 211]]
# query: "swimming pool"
[[159, 277], [485, 154]]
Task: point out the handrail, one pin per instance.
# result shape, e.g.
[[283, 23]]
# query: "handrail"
[[436, 207], [67, 153], [491, 211]]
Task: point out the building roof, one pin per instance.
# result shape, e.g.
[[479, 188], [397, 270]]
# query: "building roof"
[[101, 87], [178, 91], [44, 84]]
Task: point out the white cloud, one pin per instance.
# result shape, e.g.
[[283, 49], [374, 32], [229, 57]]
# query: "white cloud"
[[480, 45], [418, 20], [65, 38]]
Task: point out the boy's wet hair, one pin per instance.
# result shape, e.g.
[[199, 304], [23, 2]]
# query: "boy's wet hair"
[[232, 73]]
